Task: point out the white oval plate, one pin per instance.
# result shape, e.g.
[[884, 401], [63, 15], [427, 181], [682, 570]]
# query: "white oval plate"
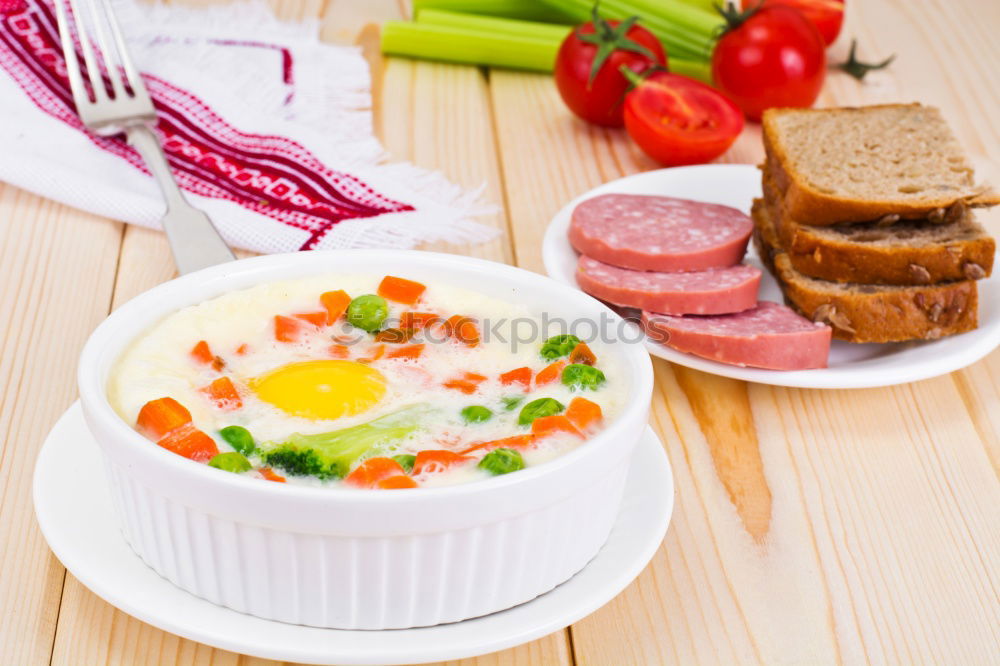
[[74, 509], [850, 365]]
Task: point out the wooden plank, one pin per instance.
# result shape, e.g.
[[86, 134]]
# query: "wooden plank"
[[57, 268], [443, 124]]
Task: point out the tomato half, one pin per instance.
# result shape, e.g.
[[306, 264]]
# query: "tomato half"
[[769, 57], [597, 96], [677, 120], [826, 15]]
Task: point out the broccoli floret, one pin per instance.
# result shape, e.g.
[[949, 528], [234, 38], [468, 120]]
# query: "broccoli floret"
[[330, 455]]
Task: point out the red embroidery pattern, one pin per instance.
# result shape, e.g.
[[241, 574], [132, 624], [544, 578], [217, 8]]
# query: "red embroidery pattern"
[[271, 175]]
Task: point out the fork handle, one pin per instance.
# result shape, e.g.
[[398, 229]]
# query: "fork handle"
[[194, 240]]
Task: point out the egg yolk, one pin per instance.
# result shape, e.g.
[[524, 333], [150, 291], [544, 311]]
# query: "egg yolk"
[[328, 389]]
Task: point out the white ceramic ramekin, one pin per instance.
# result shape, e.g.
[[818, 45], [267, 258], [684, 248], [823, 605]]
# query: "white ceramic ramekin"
[[351, 559]]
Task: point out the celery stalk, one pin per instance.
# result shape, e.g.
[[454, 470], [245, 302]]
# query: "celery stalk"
[[706, 5], [692, 68], [477, 47], [526, 10], [674, 11], [687, 32], [492, 25]]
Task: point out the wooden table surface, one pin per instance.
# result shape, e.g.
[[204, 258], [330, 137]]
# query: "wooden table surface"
[[811, 527]]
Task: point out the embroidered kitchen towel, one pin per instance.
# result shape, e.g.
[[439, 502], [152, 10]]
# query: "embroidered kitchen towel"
[[266, 128]]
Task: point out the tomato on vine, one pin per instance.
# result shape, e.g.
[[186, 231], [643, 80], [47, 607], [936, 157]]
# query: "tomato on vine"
[[769, 56], [587, 68], [826, 15], [677, 120]]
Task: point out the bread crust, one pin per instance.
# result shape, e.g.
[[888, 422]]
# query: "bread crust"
[[836, 260], [806, 203], [869, 313]]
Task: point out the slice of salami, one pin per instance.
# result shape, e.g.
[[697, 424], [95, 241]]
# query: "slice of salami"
[[651, 233], [713, 291], [769, 336]]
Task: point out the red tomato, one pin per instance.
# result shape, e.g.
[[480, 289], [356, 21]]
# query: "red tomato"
[[677, 120], [826, 15], [770, 57], [596, 96]]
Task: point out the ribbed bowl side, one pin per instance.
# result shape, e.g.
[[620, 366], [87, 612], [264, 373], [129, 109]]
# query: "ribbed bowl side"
[[349, 582]]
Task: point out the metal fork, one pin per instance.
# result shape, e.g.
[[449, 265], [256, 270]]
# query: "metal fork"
[[193, 238]]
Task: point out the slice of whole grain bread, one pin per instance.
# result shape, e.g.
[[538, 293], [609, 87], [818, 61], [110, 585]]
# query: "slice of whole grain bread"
[[866, 312], [843, 165], [906, 252]]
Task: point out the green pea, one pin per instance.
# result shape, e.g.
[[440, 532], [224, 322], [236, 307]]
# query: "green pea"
[[502, 461], [367, 312], [405, 461], [580, 376], [539, 408], [476, 414], [558, 346], [230, 462], [239, 438], [510, 402]]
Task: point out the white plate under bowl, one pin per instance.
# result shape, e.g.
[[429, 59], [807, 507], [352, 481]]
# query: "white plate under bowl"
[[850, 365], [74, 510]]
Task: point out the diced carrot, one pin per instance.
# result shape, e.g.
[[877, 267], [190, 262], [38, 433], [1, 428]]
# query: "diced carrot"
[[409, 351], [269, 475], [160, 416], [549, 373], [339, 351], [242, 349], [460, 385], [400, 290], [418, 320], [515, 442], [189, 442], [467, 382], [223, 393], [464, 329], [395, 482], [546, 425], [520, 376], [286, 329], [202, 353], [582, 354], [314, 318], [374, 354], [396, 336], [373, 470], [336, 303], [436, 461], [583, 413]]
